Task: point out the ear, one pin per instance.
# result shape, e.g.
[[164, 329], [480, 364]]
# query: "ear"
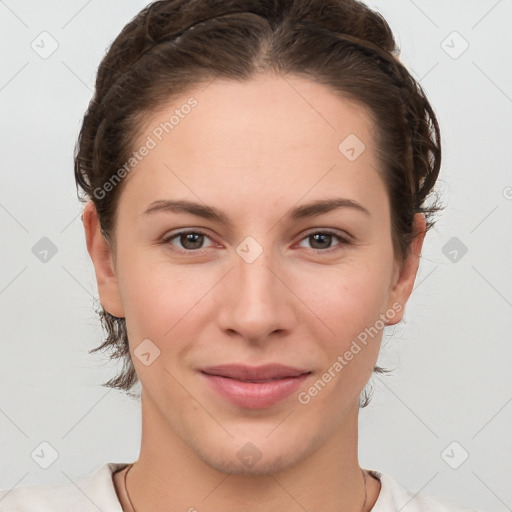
[[102, 259], [405, 272]]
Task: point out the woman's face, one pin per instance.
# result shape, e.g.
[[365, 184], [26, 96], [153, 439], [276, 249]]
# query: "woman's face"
[[269, 279]]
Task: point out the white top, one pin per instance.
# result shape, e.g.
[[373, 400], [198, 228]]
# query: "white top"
[[95, 491]]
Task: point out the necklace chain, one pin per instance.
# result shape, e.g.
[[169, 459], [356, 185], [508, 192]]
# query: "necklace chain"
[[133, 508]]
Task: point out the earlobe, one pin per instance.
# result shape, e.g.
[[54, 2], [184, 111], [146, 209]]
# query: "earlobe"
[[406, 272], [102, 259]]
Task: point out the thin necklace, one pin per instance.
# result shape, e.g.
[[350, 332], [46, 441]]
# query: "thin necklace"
[[133, 508]]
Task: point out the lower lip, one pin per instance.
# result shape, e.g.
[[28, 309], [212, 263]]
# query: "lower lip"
[[255, 395]]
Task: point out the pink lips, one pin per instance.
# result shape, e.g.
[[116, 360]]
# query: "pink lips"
[[254, 387]]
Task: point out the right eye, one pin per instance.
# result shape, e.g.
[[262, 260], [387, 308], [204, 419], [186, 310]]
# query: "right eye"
[[190, 241]]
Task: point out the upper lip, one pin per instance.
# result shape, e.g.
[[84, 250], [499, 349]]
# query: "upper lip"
[[247, 373]]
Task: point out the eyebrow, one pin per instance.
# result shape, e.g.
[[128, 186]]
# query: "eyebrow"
[[312, 209]]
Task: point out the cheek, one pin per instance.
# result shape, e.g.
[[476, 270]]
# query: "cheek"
[[157, 302], [350, 297], [155, 296], [350, 306], [350, 303]]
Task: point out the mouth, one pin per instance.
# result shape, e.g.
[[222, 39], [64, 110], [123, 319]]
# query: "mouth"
[[265, 373], [254, 387]]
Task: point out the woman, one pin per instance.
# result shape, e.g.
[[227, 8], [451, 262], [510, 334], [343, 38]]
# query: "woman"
[[256, 176]]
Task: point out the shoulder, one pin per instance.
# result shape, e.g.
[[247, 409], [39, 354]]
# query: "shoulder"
[[393, 497], [88, 493]]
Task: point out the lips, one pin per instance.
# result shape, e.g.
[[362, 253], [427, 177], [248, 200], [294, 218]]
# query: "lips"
[[265, 373], [254, 387]]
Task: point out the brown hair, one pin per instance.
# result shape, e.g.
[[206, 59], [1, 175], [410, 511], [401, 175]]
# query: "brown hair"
[[173, 45]]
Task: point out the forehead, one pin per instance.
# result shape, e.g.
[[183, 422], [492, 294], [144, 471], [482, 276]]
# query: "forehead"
[[233, 137], [311, 112]]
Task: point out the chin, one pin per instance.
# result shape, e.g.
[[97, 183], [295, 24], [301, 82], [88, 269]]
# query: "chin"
[[272, 463], [262, 455]]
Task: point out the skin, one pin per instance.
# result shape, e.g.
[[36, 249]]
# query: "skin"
[[253, 150]]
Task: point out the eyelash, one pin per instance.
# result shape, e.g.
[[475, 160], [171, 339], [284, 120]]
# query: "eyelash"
[[343, 240]]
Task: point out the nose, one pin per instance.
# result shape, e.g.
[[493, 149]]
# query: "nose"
[[256, 299]]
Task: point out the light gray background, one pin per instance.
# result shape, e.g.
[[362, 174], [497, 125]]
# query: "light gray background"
[[452, 353]]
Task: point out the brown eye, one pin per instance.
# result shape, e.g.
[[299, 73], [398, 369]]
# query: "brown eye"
[[189, 241], [323, 241]]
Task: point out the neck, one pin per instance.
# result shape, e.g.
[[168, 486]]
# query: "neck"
[[170, 472]]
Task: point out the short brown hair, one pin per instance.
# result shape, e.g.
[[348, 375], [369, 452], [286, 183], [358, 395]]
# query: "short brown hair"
[[172, 45]]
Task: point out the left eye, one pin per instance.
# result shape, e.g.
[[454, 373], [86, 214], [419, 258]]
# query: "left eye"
[[323, 240]]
